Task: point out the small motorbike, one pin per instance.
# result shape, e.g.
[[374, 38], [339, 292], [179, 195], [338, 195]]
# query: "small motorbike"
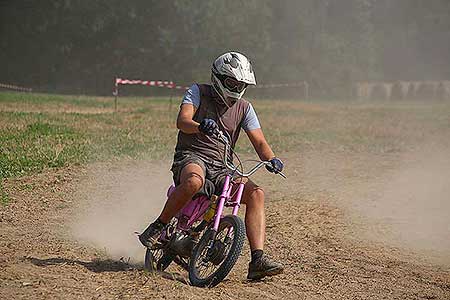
[[200, 238]]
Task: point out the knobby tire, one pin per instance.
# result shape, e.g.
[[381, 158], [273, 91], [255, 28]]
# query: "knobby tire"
[[228, 262]]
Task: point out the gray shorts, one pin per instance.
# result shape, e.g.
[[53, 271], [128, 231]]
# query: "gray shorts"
[[215, 172]]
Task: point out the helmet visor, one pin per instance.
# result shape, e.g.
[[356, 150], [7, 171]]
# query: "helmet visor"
[[234, 85]]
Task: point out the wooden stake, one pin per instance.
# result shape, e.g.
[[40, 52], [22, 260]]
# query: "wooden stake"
[[116, 94], [306, 90]]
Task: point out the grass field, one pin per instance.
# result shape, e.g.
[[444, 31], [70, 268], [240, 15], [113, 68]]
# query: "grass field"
[[39, 131]]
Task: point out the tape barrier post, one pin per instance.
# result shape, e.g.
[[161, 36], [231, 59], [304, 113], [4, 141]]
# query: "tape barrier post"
[[306, 90], [173, 88], [170, 100], [116, 93]]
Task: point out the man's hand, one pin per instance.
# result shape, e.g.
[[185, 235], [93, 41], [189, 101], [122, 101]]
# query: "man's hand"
[[208, 127], [276, 165]]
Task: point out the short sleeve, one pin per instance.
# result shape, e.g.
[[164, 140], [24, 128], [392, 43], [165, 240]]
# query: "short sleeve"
[[250, 121], [192, 96]]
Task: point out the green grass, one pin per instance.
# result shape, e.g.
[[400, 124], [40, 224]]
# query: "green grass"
[[39, 131], [37, 145], [32, 141], [45, 99]]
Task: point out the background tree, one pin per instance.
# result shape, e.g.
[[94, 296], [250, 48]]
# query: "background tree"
[[79, 46]]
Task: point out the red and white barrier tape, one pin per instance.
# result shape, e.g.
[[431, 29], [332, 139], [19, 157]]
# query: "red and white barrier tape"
[[172, 85], [276, 85], [15, 87], [158, 83]]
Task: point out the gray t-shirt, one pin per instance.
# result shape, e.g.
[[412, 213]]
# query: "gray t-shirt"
[[250, 122]]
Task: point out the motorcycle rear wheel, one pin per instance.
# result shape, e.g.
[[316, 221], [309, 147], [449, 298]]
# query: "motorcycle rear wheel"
[[157, 259]]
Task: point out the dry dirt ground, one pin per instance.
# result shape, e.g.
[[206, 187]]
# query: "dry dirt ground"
[[68, 234]]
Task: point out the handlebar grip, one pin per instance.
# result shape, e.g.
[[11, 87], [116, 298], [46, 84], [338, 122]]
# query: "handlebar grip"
[[279, 173]]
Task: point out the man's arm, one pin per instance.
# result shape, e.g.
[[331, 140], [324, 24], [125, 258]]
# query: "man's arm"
[[184, 119], [260, 144]]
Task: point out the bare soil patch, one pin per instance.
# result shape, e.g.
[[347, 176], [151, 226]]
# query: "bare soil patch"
[[67, 234]]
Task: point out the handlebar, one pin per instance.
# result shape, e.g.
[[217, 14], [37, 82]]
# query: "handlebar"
[[234, 168]]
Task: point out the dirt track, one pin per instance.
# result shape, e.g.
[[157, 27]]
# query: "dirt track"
[[310, 229]]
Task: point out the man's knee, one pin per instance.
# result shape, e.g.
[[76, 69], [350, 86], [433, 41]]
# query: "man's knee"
[[192, 183], [192, 178], [253, 193], [257, 193]]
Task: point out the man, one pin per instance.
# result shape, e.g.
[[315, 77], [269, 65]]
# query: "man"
[[198, 167]]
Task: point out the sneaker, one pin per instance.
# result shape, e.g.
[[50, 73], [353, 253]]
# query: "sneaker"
[[151, 234], [263, 267]]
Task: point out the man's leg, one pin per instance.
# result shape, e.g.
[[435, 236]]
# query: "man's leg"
[[255, 219], [255, 224], [192, 178], [191, 181]]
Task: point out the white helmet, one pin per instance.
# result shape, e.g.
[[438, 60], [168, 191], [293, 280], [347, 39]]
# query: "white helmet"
[[231, 73]]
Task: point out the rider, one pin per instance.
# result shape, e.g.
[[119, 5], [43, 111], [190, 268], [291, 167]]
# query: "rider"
[[198, 167]]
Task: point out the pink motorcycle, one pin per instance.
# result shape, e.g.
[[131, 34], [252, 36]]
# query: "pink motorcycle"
[[200, 239]]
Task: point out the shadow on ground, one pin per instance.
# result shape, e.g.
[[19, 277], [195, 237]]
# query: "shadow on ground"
[[107, 265], [97, 266]]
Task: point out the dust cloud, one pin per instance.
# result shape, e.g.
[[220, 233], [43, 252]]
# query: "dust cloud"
[[410, 205], [401, 200], [120, 199]]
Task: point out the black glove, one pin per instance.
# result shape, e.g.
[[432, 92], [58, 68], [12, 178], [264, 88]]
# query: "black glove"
[[276, 165], [208, 127]]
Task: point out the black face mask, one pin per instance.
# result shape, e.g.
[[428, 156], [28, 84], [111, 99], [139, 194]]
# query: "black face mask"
[[225, 104], [231, 101]]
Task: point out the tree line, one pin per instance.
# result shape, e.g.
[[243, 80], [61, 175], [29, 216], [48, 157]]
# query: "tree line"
[[77, 46]]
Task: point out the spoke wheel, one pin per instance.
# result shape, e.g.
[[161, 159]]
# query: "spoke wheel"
[[157, 259], [213, 258]]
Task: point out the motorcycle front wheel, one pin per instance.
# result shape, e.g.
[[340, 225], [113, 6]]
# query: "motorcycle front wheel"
[[216, 254]]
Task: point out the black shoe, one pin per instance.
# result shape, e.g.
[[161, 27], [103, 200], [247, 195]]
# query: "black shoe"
[[263, 267], [151, 234]]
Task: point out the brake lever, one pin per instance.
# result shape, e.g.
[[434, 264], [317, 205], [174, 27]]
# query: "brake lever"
[[282, 175]]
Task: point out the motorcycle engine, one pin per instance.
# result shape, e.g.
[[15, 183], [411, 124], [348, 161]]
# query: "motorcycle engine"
[[182, 244]]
